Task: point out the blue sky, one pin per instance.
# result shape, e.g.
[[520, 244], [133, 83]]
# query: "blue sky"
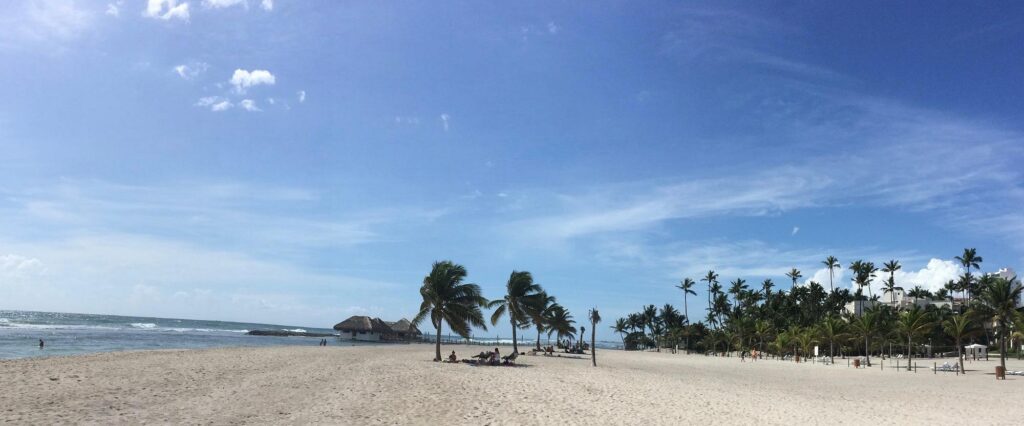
[[300, 162]]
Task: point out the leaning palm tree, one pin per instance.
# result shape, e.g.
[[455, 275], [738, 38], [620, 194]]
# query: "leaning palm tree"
[[891, 267], [997, 302], [540, 311], [560, 322], [959, 327], [968, 260], [620, 327], [832, 264], [446, 299], [794, 274], [522, 296], [595, 318], [913, 324]]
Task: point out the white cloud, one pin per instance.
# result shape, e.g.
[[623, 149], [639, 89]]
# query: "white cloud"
[[444, 121], [243, 80], [220, 4], [192, 70], [215, 103], [932, 277], [407, 120], [166, 10], [248, 105], [12, 265], [795, 230], [113, 9], [267, 5], [821, 276], [302, 96], [47, 24], [552, 28]]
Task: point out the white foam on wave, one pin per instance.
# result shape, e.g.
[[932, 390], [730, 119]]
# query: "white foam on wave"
[[295, 330], [146, 325]]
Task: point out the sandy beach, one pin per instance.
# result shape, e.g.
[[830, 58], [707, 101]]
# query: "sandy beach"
[[400, 385]]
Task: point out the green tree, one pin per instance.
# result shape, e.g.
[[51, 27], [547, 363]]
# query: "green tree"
[[968, 260], [959, 327], [832, 264], [794, 274], [997, 303], [540, 311], [891, 267], [446, 299], [595, 318], [522, 296], [866, 326], [912, 325], [712, 279], [560, 322], [620, 327], [832, 329]]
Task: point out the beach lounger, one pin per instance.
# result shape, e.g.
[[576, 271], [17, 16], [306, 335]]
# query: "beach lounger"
[[510, 358]]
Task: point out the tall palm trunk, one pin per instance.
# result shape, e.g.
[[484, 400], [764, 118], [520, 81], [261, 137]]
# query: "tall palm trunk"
[[960, 355], [437, 342], [515, 346], [593, 348], [538, 338], [910, 353]]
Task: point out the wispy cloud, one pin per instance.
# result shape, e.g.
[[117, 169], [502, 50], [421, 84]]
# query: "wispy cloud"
[[191, 70], [220, 4], [215, 103], [49, 24], [166, 10], [795, 230], [267, 5], [444, 121], [249, 105]]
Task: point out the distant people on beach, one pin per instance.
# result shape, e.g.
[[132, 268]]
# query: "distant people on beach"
[[41, 343], [323, 342], [452, 357]]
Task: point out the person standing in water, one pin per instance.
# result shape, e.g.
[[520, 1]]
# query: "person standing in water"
[[41, 343]]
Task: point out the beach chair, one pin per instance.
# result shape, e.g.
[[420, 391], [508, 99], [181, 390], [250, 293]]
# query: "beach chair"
[[510, 358]]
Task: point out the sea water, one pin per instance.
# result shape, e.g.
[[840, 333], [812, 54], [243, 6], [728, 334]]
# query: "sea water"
[[70, 334]]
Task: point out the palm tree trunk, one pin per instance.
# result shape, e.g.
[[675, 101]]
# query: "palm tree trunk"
[[960, 356], [593, 348], [910, 353], [1002, 347], [867, 354], [538, 338], [515, 346], [437, 342]]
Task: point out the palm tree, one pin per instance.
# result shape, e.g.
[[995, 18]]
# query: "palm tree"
[[540, 311], [763, 331], [913, 324], [595, 318], [522, 296], [739, 285], [560, 322], [620, 327], [794, 274], [686, 285], [968, 260], [891, 267], [865, 326], [952, 288], [997, 302], [958, 327], [832, 264], [767, 285], [832, 328], [650, 316], [712, 279], [446, 299], [917, 293]]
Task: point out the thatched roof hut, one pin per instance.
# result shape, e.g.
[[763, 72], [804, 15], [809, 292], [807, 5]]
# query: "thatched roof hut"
[[365, 324], [404, 328]]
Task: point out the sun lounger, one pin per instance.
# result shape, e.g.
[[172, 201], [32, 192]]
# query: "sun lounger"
[[510, 358]]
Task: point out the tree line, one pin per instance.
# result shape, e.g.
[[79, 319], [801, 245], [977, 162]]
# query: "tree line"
[[447, 299], [744, 317]]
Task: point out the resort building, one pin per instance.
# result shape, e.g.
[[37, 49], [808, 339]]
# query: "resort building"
[[366, 329]]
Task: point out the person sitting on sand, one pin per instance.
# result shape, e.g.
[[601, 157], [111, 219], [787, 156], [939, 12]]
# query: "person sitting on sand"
[[452, 357], [495, 357]]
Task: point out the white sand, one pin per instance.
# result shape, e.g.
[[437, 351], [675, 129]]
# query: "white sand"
[[400, 385]]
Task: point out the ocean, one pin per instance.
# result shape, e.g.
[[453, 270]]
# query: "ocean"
[[72, 334]]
